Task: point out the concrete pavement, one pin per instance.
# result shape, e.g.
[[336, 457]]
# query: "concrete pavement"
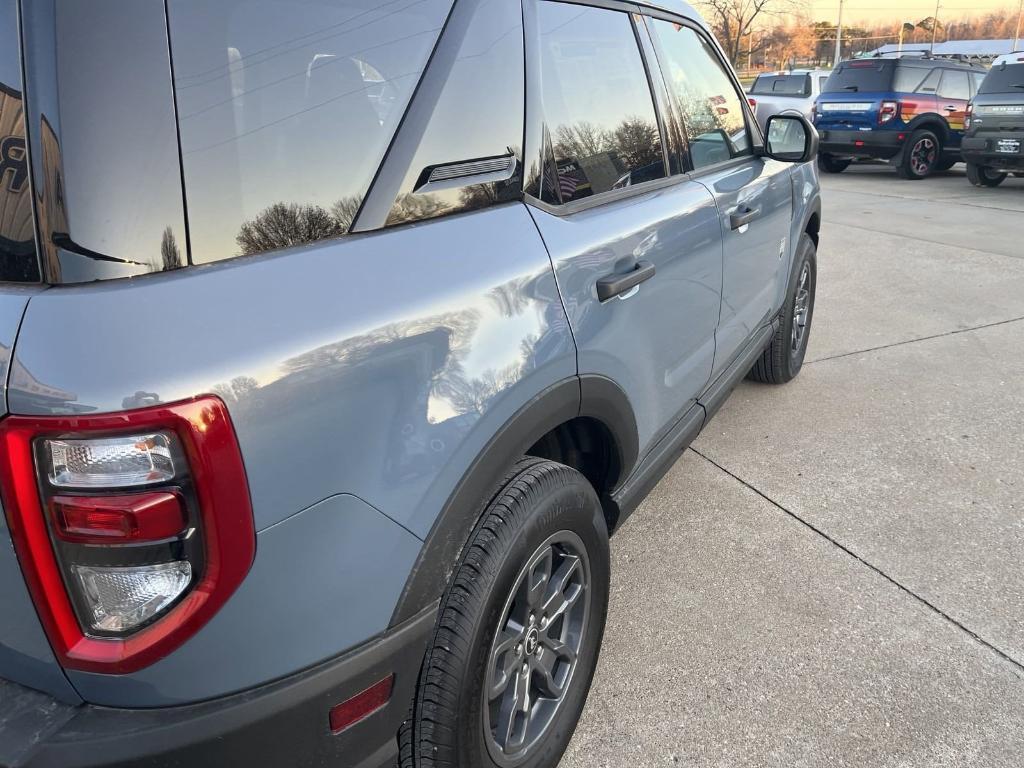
[[832, 576]]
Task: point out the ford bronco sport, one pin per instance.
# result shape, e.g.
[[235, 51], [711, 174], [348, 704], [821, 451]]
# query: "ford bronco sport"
[[335, 338], [994, 145], [908, 111]]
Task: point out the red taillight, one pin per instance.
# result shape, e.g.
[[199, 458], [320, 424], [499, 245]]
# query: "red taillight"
[[187, 536], [137, 517], [752, 102], [361, 706], [968, 116], [888, 111]]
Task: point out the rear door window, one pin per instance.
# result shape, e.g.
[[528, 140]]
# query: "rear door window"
[[712, 109], [18, 261], [597, 101], [955, 85], [286, 109]]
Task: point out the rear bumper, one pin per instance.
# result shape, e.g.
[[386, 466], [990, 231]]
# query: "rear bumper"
[[983, 150], [281, 724], [881, 145]]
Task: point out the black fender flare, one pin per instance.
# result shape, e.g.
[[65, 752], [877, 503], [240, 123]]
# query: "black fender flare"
[[595, 397], [931, 121]]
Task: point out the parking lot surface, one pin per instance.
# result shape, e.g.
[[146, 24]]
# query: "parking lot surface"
[[832, 575]]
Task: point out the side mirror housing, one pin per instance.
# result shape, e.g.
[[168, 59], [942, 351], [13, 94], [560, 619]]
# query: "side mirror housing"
[[790, 138]]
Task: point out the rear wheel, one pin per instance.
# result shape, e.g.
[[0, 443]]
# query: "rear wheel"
[[982, 176], [921, 156], [830, 164], [784, 356], [506, 676]]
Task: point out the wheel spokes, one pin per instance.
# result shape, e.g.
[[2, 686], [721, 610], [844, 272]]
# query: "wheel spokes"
[[514, 715], [504, 664]]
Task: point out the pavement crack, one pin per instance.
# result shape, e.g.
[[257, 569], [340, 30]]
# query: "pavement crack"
[[914, 341], [1018, 666]]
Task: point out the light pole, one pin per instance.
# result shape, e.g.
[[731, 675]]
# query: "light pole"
[[839, 36], [1016, 37], [935, 27]]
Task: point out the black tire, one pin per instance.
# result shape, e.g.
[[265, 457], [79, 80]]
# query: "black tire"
[[830, 164], [982, 176], [920, 157], [946, 163], [783, 358], [539, 502]]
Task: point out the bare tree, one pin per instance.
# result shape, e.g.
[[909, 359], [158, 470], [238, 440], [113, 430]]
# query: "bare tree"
[[170, 253], [637, 143], [581, 140], [283, 225], [733, 20]]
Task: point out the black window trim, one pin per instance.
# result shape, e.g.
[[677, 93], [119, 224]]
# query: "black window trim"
[[670, 180]]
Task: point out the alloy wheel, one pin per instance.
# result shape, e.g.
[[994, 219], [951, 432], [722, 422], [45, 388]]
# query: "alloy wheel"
[[923, 156], [801, 310], [533, 657]]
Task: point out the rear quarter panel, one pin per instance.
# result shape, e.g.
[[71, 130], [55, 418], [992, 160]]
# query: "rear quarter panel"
[[372, 369]]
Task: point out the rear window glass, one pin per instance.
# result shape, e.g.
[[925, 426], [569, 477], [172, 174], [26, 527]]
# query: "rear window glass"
[[18, 261], [862, 76], [286, 109], [1004, 79], [787, 85]]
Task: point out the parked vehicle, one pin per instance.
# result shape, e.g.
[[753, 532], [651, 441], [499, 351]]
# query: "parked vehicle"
[[994, 144], [793, 91], [323, 387], [909, 111]]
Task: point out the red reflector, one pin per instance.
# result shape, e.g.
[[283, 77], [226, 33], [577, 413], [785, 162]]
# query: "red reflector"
[[901, 136], [858, 143], [362, 705], [114, 519]]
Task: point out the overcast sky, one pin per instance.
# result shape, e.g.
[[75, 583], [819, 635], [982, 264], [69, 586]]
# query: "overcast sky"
[[908, 10]]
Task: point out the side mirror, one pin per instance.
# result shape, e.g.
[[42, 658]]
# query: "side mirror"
[[791, 138]]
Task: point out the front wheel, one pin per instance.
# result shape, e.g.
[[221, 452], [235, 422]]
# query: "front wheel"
[[981, 176], [509, 668], [783, 358], [921, 156], [830, 164]]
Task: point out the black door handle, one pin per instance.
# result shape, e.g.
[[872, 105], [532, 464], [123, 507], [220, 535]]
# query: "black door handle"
[[614, 285], [742, 218]]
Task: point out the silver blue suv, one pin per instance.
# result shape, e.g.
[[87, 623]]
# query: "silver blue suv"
[[335, 338]]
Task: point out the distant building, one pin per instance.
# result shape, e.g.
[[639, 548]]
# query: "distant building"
[[976, 50]]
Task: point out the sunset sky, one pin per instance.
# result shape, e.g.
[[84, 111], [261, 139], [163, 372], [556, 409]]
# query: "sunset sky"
[[909, 10]]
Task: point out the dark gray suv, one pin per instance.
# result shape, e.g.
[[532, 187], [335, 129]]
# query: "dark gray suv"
[[335, 338]]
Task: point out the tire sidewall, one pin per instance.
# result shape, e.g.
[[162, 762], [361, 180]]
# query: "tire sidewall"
[[572, 506], [806, 254]]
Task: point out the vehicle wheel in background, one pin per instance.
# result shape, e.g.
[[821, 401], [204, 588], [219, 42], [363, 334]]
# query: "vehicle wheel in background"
[[507, 673], [921, 156], [784, 356], [830, 164], [980, 176]]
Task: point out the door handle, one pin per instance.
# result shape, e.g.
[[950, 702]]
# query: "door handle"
[[742, 218], [951, 108], [613, 285]]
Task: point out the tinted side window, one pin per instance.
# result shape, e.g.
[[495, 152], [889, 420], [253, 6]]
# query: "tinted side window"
[[908, 78], [931, 83], [286, 109], [712, 109], [17, 231], [597, 101], [955, 85]]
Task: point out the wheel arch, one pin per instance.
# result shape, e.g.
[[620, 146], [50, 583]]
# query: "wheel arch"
[[588, 409], [933, 122]]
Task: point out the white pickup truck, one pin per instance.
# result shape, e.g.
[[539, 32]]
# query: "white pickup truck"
[[775, 92]]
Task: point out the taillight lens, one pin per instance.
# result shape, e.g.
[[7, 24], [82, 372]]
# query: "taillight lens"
[[752, 102], [968, 116], [132, 529], [889, 111]]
